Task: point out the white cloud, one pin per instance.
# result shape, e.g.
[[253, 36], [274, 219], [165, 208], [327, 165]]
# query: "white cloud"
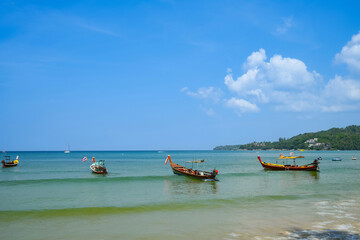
[[289, 73], [243, 83], [259, 94], [255, 59], [339, 108], [343, 90], [205, 93], [241, 105], [296, 102], [278, 72], [283, 81], [286, 84], [350, 54]]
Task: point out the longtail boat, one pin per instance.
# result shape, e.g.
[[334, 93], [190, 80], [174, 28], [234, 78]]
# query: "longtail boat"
[[8, 163], [314, 166], [98, 167], [199, 174]]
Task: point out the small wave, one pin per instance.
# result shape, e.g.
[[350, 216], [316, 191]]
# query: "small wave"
[[169, 206], [100, 178], [94, 211], [80, 180]]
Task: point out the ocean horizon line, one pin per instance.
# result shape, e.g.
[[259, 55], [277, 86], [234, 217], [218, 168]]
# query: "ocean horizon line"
[[142, 150], [179, 150]]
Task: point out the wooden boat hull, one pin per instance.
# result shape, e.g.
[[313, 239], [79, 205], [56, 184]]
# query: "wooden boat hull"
[[5, 165], [98, 169], [279, 167], [198, 174], [204, 177]]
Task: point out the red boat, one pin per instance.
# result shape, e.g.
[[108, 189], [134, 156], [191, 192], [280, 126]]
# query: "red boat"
[[314, 166], [199, 174]]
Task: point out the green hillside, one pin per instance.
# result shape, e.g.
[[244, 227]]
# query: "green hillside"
[[333, 139]]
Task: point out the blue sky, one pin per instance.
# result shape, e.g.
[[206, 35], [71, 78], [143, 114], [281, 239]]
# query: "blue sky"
[[142, 75]]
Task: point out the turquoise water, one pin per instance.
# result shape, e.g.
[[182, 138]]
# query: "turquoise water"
[[52, 195]]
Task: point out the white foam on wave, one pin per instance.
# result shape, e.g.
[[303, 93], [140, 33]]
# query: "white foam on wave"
[[325, 213], [347, 216], [343, 216], [350, 203], [323, 225], [234, 234], [322, 203], [344, 227]]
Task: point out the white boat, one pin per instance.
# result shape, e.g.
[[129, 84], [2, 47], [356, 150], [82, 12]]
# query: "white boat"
[[68, 150], [353, 158]]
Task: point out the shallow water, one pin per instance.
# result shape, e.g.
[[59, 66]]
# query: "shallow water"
[[52, 195]]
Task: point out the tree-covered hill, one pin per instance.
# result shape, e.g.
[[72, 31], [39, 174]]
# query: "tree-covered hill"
[[333, 139]]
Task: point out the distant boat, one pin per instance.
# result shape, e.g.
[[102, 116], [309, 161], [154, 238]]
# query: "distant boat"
[[314, 166], [199, 174], [353, 158], [337, 159], [8, 163], [68, 150], [98, 167]]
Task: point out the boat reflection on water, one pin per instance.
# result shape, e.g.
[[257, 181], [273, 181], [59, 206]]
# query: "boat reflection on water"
[[304, 177], [177, 185], [315, 175], [291, 179], [300, 176]]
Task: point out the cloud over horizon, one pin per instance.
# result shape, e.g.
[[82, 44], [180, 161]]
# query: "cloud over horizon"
[[350, 54], [286, 84], [280, 80]]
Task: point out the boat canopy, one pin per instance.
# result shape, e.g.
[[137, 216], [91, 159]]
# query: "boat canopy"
[[291, 157]]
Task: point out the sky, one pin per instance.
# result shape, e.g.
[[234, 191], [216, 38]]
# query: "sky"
[[174, 75]]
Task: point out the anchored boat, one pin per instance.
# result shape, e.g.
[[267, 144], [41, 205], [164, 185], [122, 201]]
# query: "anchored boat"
[[314, 166], [98, 167], [67, 150], [9, 163], [190, 172]]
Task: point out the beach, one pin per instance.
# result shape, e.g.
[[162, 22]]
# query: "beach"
[[53, 195]]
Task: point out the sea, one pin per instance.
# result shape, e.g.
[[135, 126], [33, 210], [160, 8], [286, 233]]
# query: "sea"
[[54, 195]]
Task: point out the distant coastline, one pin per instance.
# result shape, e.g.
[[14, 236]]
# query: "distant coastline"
[[347, 138]]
